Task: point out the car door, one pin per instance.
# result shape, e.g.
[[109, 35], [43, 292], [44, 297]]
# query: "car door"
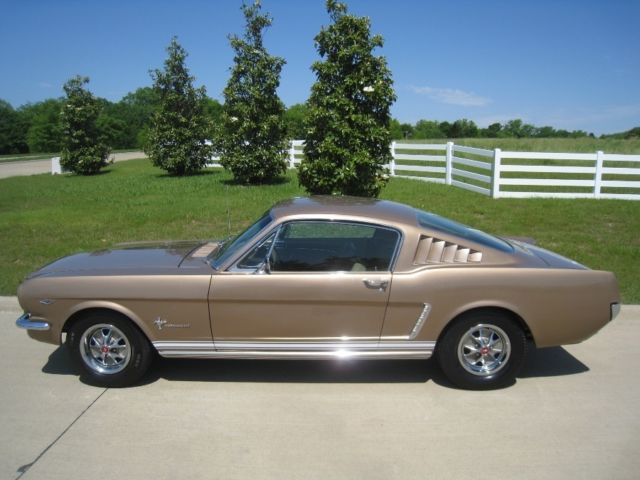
[[324, 281]]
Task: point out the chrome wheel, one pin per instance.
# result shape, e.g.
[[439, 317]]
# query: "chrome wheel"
[[105, 349], [484, 350]]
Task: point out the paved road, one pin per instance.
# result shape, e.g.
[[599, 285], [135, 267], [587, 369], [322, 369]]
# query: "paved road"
[[35, 167], [572, 414]]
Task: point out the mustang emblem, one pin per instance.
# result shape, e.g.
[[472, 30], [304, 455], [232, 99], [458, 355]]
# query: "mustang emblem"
[[159, 323]]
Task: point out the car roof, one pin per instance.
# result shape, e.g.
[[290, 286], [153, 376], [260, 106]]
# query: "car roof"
[[330, 205]]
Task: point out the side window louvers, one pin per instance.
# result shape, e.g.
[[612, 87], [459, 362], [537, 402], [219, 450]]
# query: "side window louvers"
[[434, 250]]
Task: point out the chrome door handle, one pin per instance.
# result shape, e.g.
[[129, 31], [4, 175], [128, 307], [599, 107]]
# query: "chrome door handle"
[[376, 285]]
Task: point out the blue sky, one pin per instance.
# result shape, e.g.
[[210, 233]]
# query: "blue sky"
[[570, 64]]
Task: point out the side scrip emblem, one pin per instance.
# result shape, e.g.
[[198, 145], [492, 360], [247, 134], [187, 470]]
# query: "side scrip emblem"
[[162, 323], [159, 323]]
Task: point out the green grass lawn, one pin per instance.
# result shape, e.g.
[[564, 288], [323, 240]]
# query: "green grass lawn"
[[43, 217], [562, 145]]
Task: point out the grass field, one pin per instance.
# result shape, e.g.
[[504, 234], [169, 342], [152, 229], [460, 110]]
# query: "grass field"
[[563, 145], [44, 217]]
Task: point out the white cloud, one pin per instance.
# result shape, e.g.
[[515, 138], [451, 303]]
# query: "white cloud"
[[452, 96]]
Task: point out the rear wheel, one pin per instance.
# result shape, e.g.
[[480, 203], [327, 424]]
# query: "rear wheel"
[[110, 349], [482, 350]]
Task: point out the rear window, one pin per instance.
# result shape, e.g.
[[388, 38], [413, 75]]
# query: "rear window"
[[436, 222]]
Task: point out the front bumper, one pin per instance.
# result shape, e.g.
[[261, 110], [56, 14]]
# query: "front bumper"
[[25, 322], [615, 310]]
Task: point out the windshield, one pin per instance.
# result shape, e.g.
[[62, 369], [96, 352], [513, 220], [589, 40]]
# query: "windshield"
[[231, 246], [436, 222]]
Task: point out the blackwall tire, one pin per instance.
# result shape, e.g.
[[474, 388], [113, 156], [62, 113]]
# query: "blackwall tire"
[[482, 351], [110, 349]]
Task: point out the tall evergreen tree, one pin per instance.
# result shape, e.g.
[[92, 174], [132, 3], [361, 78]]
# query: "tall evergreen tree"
[[83, 150], [347, 141], [177, 140], [252, 137]]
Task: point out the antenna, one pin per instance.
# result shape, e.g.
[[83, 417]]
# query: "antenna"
[[226, 197]]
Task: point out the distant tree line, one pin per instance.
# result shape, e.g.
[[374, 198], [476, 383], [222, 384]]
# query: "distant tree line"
[[35, 127], [468, 129]]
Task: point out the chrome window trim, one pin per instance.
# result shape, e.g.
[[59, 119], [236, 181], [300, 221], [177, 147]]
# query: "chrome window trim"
[[232, 263], [279, 227]]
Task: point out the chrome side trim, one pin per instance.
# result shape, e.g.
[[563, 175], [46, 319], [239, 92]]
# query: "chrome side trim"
[[25, 322], [296, 350], [426, 309]]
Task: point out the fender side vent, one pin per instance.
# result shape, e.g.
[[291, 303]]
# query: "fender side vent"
[[434, 250]]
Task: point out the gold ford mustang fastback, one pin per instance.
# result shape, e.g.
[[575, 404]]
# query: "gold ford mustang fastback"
[[316, 278]]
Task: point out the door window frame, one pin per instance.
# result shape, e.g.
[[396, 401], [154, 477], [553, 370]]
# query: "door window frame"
[[280, 227]]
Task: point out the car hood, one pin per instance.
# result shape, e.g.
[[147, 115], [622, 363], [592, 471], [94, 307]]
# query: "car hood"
[[135, 257]]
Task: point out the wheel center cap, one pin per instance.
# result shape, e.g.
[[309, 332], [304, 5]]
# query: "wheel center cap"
[[104, 349], [485, 350]]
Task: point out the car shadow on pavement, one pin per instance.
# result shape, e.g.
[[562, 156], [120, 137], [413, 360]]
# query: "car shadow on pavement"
[[295, 371], [546, 362], [551, 362]]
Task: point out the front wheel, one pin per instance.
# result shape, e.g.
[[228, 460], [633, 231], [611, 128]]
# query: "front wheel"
[[110, 349], [482, 350]]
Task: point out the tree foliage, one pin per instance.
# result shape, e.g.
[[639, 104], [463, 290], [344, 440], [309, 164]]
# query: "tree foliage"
[[83, 150], [177, 139], [252, 133], [347, 141], [45, 132], [294, 118], [12, 131]]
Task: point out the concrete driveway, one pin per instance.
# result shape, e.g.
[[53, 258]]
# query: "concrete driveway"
[[572, 414], [35, 167]]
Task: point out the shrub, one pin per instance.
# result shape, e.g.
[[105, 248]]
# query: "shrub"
[[83, 151], [252, 137], [347, 140]]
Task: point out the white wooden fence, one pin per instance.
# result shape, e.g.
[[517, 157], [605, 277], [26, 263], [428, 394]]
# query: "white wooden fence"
[[504, 174]]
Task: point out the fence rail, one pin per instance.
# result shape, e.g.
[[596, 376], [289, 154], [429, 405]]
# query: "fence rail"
[[507, 174]]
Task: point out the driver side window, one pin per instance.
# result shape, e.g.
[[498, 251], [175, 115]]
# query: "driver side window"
[[333, 246]]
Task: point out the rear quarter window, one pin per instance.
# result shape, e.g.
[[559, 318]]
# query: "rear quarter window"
[[432, 221]]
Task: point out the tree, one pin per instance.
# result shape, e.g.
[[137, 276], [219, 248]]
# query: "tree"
[[463, 129], [177, 140], [213, 110], [12, 130], [428, 129], [294, 119], [136, 109], [44, 133], [400, 131], [83, 151], [493, 130], [347, 141], [252, 135]]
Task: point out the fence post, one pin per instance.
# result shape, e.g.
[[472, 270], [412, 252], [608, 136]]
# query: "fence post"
[[448, 163], [597, 181], [392, 163], [292, 154], [495, 173], [56, 169]]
